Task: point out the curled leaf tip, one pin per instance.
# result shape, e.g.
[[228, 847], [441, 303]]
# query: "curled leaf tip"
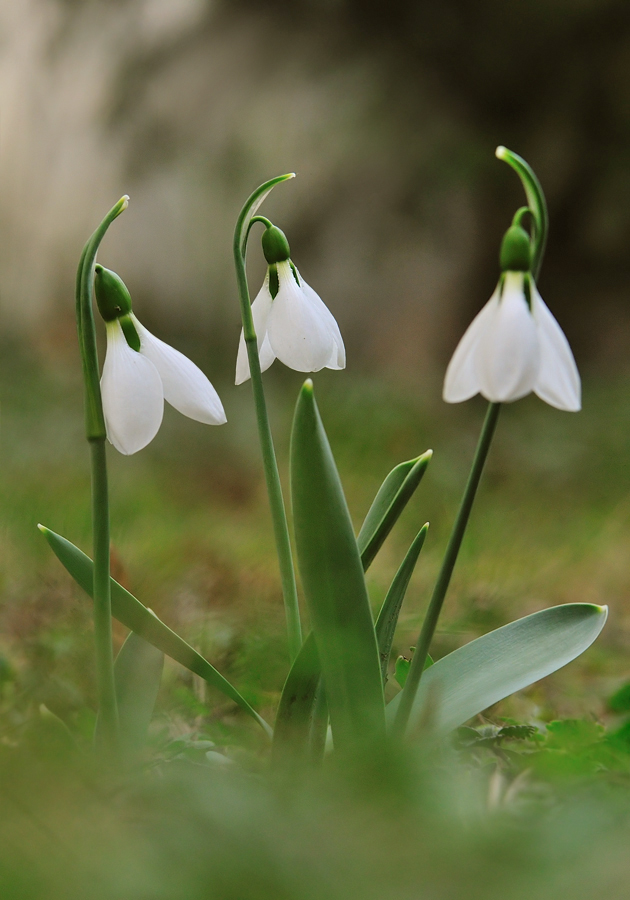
[[125, 201]]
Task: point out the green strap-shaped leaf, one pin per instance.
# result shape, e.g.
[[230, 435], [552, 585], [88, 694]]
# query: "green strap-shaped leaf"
[[334, 585], [469, 680], [137, 674], [297, 726], [128, 610], [392, 497], [390, 610], [295, 718]]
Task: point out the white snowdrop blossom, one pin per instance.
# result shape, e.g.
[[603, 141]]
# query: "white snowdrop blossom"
[[295, 326], [134, 385], [514, 346]]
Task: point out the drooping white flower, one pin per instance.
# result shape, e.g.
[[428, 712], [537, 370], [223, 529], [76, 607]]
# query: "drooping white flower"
[[135, 382], [512, 347], [295, 325]]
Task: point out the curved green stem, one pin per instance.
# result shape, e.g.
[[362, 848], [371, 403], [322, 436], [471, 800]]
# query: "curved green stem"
[[270, 465], [96, 435], [536, 201], [448, 564]]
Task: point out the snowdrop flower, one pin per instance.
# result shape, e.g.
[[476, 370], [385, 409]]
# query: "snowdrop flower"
[[140, 372], [514, 345], [291, 321]]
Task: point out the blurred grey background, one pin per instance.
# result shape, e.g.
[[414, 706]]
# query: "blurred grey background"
[[388, 110]]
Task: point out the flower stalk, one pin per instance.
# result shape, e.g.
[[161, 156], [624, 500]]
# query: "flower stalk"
[[96, 435], [270, 465], [446, 570], [537, 208]]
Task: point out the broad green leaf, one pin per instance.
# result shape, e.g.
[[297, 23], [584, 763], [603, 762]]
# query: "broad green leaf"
[[334, 585], [469, 680], [128, 610], [301, 723], [137, 674], [390, 610], [296, 712], [392, 497]]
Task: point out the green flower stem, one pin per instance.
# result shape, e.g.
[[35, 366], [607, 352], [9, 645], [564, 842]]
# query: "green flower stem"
[[448, 564], [96, 434], [270, 465]]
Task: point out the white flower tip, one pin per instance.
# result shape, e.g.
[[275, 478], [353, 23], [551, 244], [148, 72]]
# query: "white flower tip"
[[42, 528], [124, 201], [500, 152], [289, 175]]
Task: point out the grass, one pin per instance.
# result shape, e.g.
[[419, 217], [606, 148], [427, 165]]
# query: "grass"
[[505, 813]]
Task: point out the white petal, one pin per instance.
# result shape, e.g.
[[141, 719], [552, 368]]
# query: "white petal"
[[461, 381], [184, 384], [558, 381], [260, 313], [507, 357], [338, 358], [133, 399], [298, 333]]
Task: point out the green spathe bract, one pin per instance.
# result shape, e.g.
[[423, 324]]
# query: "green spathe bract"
[[334, 586], [479, 674]]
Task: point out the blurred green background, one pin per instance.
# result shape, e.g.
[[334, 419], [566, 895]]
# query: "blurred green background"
[[389, 113]]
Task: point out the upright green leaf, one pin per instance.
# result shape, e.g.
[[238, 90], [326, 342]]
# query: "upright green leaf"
[[137, 674], [334, 585], [392, 497], [390, 610], [128, 610], [469, 680], [296, 720]]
